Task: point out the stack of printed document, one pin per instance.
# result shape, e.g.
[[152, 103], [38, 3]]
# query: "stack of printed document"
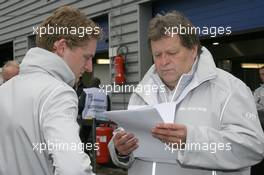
[[140, 121]]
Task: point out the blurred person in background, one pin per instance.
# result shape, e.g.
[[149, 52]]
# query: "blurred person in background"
[[10, 69], [259, 92]]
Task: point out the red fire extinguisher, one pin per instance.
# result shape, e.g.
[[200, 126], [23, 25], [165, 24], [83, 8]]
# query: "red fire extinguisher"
[[120, 65], [103, 136], [119, 69]]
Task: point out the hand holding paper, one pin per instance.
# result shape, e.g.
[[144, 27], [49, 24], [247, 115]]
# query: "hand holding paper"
[[140, 122], [125, 143], [170, 133]]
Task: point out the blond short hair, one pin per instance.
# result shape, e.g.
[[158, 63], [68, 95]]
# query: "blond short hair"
[[66, 17]]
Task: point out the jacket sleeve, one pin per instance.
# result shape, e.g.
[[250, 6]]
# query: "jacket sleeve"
[[117, 160], [239, 133], [61, 133]]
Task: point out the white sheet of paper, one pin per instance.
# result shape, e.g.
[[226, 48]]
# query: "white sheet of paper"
[[166, 111], [133, 107], [140, 122]]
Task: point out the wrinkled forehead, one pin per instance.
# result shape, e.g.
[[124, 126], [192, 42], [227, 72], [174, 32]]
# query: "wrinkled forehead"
[[169, 41]]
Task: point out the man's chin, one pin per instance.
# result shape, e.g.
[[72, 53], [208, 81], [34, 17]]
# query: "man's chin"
[[168, 79], [169, 82]]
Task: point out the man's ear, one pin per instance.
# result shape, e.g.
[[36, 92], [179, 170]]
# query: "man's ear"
[[59, 47]]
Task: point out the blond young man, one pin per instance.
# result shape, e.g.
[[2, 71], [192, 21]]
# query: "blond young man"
[[39, 133]]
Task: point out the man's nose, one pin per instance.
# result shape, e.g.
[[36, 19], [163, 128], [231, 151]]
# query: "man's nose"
[[88, 67], [164, 59]]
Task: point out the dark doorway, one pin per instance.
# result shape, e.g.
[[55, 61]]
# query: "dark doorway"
[[6, 51], [233, 52]]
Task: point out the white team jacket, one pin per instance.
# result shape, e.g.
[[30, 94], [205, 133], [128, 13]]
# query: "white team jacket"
[[218, 109]]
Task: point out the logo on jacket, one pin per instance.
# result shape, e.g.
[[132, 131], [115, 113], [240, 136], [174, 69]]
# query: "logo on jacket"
[[249, 115], [202, 109]]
